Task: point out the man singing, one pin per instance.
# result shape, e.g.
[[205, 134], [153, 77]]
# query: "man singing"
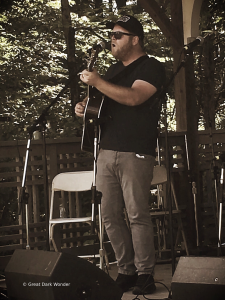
[[127, 151]]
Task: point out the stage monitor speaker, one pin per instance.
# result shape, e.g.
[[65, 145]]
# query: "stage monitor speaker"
[[36, 274], [199, 278]]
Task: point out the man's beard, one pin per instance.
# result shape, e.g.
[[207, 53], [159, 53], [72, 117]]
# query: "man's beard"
[[123, 52]]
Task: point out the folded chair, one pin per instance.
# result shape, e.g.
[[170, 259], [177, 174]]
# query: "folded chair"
[[159, 178], [73, 182]]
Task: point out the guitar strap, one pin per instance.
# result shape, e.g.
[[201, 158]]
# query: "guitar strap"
[[127, 70], [159, 95]]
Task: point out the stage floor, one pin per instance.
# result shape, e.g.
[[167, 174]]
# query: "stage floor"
[[163, 274]]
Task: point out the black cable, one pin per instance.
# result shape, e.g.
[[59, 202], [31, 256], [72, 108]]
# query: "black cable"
[[3, 296], [136, 298], [164, 286], [157, 282]]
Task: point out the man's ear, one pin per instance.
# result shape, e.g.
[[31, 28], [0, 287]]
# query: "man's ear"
[[135, 40]]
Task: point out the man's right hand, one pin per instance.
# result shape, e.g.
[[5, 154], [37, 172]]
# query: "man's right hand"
[[79, 108]]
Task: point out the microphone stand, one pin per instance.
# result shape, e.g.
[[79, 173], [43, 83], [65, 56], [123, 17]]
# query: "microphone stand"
[[168, 190], [194, 189], [23, 195], [221, 207], [96, 195], [194, 192], [215, 169], [163, 94]]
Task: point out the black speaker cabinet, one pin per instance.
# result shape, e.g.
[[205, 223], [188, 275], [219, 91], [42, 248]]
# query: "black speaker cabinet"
[[199, 278], [44, 275]]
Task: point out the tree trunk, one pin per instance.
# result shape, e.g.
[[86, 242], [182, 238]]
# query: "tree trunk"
[[70, 42], [209, 84], [180, 80]]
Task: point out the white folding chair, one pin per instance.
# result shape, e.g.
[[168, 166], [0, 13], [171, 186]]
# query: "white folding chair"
[[159, 177], [73, 182]]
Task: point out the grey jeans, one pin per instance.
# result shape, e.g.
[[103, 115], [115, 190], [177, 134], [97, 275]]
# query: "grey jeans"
[[124, 178]]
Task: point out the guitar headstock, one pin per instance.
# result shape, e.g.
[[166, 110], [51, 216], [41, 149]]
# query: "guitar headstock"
[[93, 54]]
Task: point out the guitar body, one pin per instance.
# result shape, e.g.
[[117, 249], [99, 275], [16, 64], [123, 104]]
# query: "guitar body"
[[91, 115]]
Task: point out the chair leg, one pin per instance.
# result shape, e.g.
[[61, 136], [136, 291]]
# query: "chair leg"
[[56, 237]]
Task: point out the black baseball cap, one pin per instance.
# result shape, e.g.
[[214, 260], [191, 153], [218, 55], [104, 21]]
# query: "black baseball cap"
[[129, 23]]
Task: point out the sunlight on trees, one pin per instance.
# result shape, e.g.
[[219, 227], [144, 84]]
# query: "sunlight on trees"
[[34, 66]]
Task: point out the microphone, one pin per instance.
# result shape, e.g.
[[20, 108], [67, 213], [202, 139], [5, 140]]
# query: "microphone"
[[108, 46], [99, 46], [198, 41]]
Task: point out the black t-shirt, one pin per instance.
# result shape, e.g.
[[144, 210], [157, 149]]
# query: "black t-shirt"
[[132, 128]]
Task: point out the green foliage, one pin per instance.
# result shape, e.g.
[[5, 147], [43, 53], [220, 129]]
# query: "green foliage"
[[34, 65], [212, 27], [32, 62]]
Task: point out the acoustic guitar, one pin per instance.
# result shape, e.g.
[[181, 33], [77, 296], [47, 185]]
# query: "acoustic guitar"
[[93, 107]]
